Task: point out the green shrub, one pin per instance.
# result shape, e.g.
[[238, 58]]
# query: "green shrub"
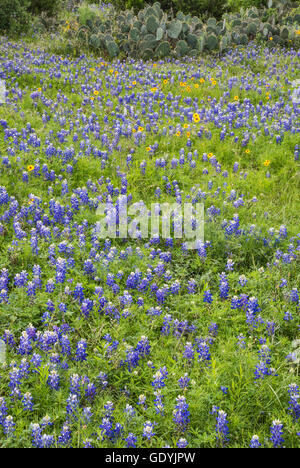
[[125, 4], [201, 7], [194, 7], [50, 7], [14, 17], [236, 5], [85, 14]]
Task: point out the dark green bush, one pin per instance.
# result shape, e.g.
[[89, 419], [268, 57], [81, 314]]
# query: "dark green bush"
[[47, 6], [128, 4], [236, 5], [201, 7], [194, 7], [14, 17]]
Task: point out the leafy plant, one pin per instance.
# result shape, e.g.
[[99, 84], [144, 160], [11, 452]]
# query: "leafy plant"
[[14, 17], [48, 6]]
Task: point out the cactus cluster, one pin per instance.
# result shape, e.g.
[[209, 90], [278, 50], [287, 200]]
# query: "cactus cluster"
[[279, 23], [155, 34]]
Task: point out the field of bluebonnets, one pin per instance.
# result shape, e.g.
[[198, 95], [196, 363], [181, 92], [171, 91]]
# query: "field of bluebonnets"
[[142, 343]]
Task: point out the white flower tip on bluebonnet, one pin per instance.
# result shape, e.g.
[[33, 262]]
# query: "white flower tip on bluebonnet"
[[276, 422]]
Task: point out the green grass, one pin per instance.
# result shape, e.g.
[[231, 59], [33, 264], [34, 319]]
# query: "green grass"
[[251, 405]]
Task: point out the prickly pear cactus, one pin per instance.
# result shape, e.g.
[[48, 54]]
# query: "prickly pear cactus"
[[153, 33]]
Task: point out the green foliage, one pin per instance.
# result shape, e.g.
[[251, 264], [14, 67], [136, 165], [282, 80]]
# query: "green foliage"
[[236, 5], [50, 7], [86, 14], [14, 17], [200, 7], [135, 4], [193, 7]]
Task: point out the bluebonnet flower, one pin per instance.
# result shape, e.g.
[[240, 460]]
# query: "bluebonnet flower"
[[203, 352], [27, 402], [294, 295], [292, 357], [143, 346], [294, 402], [46, 422], [109, 409], [192, 286], [181, 413], [61, 270], [224, 286], [189, 352], [15, 377], [78, 292], [36, 433], [65, 436], [252, 310], [270, 327], [241, 341], [72, 405], [55, 358], [8, 338], [132, 358], [87, 444], [243, 280], [25, 346], [276, 434], [102, 377], [208, 298], [131, 440], [130, 411], [142, 401], [235, 302], [24, 368], [36, 360], [261, 370], [81, 347], [222, 429], [158, 402], [288, 316], [283, 283], [8, 426], [3, 410], [265, 354], [53, 380], [87, 413], [213, 329], [254, 443], [46, 441], [230, 265], [184, 381], [166, 324], [21, 279], [159, 378], [4, 296], [65, 345], [90, 391], [182, 443], [148, 429]]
